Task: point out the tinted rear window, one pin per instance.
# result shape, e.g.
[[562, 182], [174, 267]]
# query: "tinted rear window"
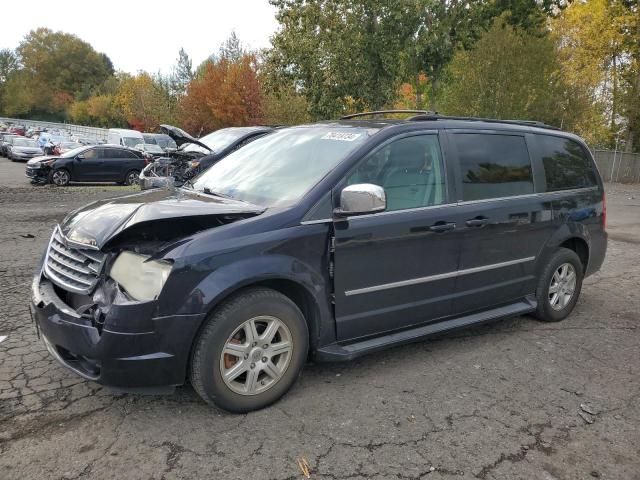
[[493, 166], [566, 164]]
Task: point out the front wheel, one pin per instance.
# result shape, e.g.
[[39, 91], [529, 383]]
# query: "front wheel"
[[559, 286], [250, 351], [60, 178]]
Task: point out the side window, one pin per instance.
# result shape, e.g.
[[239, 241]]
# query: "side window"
[[566, 164], [93, 153], [124, 154], [493, 166], [410, 170]]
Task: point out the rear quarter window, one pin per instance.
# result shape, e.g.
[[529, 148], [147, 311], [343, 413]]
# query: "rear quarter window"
[[493, 165], [567, 165]]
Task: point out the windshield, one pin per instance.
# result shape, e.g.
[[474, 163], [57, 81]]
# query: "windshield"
[[24, 142], [131, 142], [74, 152], [149, 138], [278, 169], [166, 142], [218, 140]]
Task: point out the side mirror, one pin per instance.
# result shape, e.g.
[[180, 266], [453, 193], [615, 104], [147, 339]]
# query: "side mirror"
[[80, 157], [361, 199]]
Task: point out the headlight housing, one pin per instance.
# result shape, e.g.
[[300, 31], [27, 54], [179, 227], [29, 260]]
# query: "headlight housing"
[[140, 277]]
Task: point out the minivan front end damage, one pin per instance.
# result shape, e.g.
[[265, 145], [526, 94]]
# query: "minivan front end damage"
[[95, 304]]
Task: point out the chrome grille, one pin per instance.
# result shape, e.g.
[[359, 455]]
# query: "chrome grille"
[[72, 268]]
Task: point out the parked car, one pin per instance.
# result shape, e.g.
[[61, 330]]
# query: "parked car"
[[66, 146], [88, 141], [194, 156], [105, 163], [151, 148], [164, 141], [17, 130], [7, 139], [22, 148], [124, 137], [334, 239]]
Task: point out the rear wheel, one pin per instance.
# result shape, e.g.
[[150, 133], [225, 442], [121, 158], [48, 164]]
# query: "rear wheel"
[[132, 177], [60, 177], [250, 351], [559, 286]]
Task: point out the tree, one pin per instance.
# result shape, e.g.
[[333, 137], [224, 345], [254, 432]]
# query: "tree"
[[340, 49], [8, 65], [232, 48], [514, 75], [182, 74], [226, 94], [284, 107], [143, 101], [358, 52], [58, 66], [599, 48]]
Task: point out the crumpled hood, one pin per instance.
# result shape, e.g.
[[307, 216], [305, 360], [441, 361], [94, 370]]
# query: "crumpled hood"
[[41, 158], [97, 223], [181, 137]]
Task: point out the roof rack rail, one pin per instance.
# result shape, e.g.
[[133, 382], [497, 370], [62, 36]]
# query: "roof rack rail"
[[383, 112], [530, 123]]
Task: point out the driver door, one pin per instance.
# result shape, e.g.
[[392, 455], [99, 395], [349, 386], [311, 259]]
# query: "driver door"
[[396, 269], [87, 167]]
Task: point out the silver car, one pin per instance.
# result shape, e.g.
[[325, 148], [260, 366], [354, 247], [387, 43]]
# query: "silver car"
[[23, 149]]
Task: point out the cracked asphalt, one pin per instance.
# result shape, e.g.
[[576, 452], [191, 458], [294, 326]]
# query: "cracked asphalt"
[[517, 399]]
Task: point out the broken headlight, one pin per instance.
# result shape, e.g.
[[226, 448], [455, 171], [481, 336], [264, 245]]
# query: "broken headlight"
[[140, 277]]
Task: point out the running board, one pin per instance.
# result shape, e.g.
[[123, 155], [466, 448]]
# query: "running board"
[[340, 353]]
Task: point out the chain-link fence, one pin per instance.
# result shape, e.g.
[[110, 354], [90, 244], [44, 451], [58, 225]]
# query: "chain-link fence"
[[618, 167], [77, 130]]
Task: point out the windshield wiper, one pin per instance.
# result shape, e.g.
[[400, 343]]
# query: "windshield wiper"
[[208, 191]]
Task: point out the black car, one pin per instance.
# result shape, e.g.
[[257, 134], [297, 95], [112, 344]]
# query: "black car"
[[196, 155], [331, 240], [103, 163]]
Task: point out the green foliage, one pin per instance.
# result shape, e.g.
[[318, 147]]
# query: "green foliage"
[[340, 50], [182, 74]]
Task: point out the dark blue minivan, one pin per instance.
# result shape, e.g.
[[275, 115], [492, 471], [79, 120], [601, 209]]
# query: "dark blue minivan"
[[328, 240]]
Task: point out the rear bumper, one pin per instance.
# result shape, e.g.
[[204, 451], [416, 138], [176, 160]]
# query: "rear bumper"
[[142, 352], [597, 251]]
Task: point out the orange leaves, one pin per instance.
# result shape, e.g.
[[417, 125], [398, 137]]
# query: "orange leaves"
[[227, 94]]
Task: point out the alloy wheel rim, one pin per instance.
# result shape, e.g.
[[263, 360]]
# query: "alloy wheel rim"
[[562, 286], [133, 179], [59, 178], [256, 355]]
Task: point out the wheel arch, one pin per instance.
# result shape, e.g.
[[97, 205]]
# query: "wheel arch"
[[575, 237], [581, 247]]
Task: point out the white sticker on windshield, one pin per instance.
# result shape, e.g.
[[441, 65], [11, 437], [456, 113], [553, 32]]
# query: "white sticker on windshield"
[[342, 136]]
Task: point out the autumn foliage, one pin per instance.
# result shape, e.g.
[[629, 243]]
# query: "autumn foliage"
[[226, 93]]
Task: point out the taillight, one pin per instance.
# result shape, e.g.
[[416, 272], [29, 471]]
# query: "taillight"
[[604, 211]]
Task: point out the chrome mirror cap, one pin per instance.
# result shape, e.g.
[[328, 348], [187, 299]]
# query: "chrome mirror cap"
[[361, 199]]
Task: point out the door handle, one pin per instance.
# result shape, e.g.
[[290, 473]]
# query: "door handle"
[[477, 222], [440, 227]]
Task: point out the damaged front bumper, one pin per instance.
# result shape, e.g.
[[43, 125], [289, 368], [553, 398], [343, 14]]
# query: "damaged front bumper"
[[38, 174], [133, 349]]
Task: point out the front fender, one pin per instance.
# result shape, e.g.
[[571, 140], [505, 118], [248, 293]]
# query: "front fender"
[[218, 285]]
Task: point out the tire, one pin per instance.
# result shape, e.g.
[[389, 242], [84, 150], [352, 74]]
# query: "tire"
[[60, 177], [131, 178], [556, 308], [227, 327]]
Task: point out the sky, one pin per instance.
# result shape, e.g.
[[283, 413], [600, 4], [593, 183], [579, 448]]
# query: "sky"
[[147, 34]]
